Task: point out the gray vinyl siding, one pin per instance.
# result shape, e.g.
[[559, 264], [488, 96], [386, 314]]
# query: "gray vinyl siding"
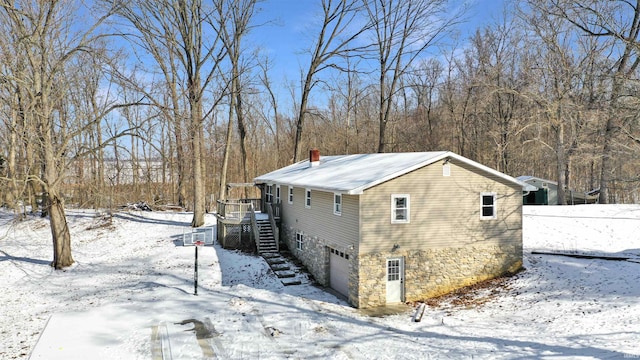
[[444, 211], [319, 221]]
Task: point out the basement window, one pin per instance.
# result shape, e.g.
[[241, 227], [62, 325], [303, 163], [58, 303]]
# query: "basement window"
[[299, 240], [488, 206]]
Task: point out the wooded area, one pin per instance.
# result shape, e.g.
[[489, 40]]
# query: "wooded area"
[[111, 102]]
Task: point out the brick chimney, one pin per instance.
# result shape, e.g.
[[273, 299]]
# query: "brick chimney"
[[314, 157]]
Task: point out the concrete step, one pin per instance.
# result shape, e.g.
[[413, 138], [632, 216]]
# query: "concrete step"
[[275, 260], [280, 267], [291, 281], [269, 255], [285, 274]]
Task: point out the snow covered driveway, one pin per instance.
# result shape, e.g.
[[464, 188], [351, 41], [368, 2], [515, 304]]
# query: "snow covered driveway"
[[133, 282]]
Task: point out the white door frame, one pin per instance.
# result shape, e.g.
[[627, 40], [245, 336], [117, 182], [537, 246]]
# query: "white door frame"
[[395, 279]]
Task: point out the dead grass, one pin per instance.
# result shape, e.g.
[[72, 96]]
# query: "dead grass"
[[474, 295]]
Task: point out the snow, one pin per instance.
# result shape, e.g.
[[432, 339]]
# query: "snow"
[[130, 295], [352, 174]]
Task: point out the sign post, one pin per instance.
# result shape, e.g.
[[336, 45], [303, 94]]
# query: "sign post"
[[195, 271]]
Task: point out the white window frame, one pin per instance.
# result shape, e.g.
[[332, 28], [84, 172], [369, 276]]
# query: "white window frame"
[[299, 240], [307, 198], [493, 206], [277, 194], [337, 204], [394, 219], [268, 197], [290, 195]]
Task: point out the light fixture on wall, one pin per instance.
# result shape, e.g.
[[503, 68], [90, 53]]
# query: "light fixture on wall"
[[446, 161], [395, 247]]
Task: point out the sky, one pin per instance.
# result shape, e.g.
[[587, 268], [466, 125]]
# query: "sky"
[[284, 34]]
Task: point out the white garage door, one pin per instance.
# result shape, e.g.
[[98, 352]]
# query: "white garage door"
[[339, 272]]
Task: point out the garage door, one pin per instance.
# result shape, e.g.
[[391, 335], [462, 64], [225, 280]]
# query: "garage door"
[[339, 272]]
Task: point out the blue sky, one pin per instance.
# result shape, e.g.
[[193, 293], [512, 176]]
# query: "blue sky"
[[283, 37]]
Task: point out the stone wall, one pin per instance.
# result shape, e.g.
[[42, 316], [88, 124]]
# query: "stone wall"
[[314, 254], [433, 272]]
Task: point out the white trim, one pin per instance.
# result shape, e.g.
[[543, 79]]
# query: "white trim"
[[290, 194], [299, 240], [307, 198], [494, 206], [394, 219], [337, 206], [268, 197]]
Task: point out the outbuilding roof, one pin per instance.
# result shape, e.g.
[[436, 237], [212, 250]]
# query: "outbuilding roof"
[[352, 174]]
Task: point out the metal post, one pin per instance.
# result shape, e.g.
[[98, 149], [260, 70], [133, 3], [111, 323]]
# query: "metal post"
[[195, 275]]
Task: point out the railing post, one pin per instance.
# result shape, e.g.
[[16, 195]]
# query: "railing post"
[[254, 228]]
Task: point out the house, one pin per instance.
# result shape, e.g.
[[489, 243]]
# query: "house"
[[545, 192], [398, 227]]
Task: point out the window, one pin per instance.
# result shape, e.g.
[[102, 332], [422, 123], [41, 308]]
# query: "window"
[[400, 213], [290, 194], [269, 194], [337, 204], [393, 269], [299, 239], [277, 194], [488, 206], [307, 198]]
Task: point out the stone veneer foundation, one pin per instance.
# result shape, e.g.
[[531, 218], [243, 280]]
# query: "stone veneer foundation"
[[429, 273], [314, 254]]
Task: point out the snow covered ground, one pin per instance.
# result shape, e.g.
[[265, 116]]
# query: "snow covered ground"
[[130, 296]]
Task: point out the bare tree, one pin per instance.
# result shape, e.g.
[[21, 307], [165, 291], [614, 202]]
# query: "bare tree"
[[51, 46], [188, 31], [403, 31], [618, 20], [339, 28], [239, 13]]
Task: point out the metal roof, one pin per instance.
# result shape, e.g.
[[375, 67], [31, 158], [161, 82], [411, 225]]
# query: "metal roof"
[[352, 174]]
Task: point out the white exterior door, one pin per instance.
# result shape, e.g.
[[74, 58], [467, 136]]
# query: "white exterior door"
[[339, 272], [395, 280]]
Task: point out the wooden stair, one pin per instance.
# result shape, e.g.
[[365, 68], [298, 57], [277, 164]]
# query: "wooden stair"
[[267, 240]]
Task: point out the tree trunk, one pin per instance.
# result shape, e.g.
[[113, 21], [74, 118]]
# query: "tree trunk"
[[560, 163], [606, 168], [199, 197], [59, 231], [222, 195], [179, 158], [301, 116]]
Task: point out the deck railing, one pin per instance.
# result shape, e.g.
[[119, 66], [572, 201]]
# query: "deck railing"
[[236, 210]]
